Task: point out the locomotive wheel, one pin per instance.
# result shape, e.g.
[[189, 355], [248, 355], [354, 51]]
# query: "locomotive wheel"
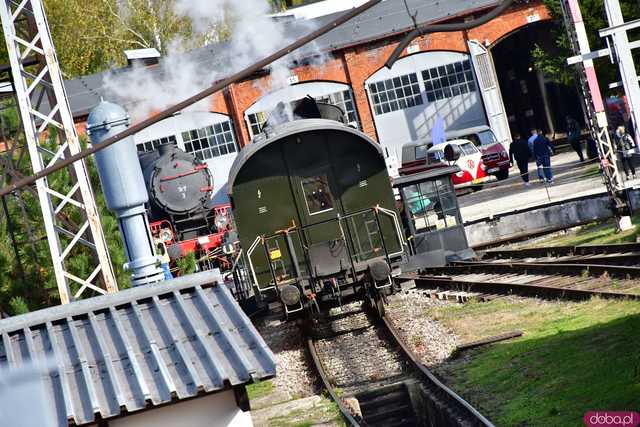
[[375, 302], [380, 302]]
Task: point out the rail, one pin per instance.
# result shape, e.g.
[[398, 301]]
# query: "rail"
[[346, 414], [565, 281], [439, 404], [610, 253], [471, 412]]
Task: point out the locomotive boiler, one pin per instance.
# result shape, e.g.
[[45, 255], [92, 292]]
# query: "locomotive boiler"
[[180, 188]]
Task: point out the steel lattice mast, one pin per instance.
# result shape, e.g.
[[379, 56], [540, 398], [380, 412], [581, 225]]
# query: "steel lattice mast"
[[594, 105], [42, 106]]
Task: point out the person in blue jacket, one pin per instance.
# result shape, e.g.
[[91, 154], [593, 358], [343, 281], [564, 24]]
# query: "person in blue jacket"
[[542, 151], [530, 141]]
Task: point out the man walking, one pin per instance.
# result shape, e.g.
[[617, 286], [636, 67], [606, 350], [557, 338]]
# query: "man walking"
[[573, 136], [530, 141], [625, 146], [519, 150], [542, 150], [532, 138]]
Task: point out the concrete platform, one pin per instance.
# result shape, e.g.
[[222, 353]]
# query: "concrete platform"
[[572, 179]]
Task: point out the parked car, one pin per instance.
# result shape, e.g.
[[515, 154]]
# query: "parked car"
[[472, 168], [495, 155]]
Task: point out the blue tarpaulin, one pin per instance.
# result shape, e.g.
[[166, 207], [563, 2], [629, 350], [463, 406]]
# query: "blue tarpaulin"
[[438, 132]]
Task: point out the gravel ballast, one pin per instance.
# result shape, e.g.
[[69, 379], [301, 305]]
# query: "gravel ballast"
[[432, 342]]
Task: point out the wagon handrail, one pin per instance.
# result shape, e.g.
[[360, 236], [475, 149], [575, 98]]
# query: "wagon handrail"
[[396, 223], [341, 218], [252, 248], [326, 221]]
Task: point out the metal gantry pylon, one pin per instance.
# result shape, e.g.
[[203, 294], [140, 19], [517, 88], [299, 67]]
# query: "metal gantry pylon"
[[43, 106], [594, 105]]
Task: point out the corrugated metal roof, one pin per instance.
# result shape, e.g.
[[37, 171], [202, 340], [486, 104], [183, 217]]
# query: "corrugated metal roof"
[[386, 18], [138, 348]]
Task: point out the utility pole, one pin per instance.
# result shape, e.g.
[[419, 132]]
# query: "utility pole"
[[594, 106], [43, 107], [622, 48]]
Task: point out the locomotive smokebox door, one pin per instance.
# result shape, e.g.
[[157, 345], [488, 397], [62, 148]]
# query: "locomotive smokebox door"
[[179, 184], [431, 218]]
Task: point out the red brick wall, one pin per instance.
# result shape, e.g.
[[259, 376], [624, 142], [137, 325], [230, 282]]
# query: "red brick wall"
[[515, 18], [354, 65]]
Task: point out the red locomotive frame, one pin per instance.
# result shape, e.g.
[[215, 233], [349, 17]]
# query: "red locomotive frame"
[[199, 245]]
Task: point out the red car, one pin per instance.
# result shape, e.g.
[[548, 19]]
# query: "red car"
[[495, 155]]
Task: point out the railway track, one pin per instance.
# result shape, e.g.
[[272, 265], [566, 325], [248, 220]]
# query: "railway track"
[[376, 380], [616, 254], [566, 281]]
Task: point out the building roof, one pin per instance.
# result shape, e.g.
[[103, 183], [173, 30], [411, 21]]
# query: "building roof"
[[138, 348], [386, 18]]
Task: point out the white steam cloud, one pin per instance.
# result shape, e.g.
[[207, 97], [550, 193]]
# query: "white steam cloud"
[[254, 36]]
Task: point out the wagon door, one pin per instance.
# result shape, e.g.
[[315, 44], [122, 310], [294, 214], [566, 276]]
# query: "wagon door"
[[490, 90], [318, 203]]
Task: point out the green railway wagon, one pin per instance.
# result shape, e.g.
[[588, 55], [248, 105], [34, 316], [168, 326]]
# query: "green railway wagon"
[[315, 213]]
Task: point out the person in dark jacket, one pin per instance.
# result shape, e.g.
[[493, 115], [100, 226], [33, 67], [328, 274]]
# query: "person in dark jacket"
[[625, 147], [573, 136], [530, 141], [519, 151], [542, 151]]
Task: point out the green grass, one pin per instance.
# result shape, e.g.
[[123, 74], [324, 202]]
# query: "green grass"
[[321, 413], [595, 233], [260, 389], [573, 357]]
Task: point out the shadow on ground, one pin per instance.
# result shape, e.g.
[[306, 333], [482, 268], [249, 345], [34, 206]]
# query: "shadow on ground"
[[553, 380]]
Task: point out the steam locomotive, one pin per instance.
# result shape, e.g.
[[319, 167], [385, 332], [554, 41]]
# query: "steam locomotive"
[[180, 188]]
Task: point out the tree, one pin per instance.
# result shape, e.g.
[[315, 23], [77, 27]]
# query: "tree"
[[31, 284], [553, 62], [90, 36], [143, 24], [76, 27]]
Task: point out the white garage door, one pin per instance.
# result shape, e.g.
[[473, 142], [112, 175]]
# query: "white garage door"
[[407, 99]]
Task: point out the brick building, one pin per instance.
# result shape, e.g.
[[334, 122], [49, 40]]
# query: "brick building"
[[470, 78]]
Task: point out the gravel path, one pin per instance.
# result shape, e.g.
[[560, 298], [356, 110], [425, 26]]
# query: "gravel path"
[[430, 340], [294, 373]]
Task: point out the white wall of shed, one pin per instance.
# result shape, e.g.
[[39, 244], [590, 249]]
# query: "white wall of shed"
[[405, 125], [219, 410]]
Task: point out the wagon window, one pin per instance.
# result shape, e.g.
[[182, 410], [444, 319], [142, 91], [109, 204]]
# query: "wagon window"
[[317, 194]]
